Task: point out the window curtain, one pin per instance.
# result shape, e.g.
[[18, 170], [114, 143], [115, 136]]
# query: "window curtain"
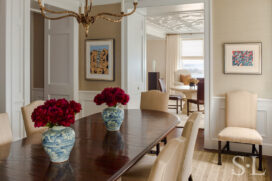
[[172, 58]]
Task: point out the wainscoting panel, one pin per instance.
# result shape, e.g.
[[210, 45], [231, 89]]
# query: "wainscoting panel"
[[88, 106], [264, 124]]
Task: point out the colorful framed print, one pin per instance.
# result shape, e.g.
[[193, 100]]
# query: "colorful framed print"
[[243, 58], [100, 60]]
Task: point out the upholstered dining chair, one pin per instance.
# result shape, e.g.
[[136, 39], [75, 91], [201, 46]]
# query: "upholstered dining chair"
[[154, 100], [165, 167], [200, 97], [157, 101], [5, 129], [141, 170], [27, 112], [177, 98], [189, 132], [241, 115]]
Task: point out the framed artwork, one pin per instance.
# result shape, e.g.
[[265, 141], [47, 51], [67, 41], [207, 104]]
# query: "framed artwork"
[[243, 58], [100, 60]]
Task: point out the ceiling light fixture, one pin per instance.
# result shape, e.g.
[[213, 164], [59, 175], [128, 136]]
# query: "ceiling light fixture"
[[84, 16]]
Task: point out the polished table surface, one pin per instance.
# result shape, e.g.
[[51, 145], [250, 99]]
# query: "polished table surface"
[[97, 154]]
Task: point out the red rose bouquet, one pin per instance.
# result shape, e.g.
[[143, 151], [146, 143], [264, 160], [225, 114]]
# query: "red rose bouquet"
[[55, 113], [112, 97]]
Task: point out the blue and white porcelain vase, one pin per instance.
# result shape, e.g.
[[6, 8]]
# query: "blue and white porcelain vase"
[[58, 143], [113, 118]]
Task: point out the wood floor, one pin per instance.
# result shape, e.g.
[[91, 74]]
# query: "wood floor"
[[205, 167]]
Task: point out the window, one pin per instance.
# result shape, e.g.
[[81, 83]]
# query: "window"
[[192, 57]]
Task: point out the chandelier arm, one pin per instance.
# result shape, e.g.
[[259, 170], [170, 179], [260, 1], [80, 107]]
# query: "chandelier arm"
[[91, 5], [60, 17], [111, 20], [61, 12], [118, 15], [86, 7]]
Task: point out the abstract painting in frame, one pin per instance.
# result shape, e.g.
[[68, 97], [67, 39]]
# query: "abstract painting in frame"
[[100, 60], [243, 58]]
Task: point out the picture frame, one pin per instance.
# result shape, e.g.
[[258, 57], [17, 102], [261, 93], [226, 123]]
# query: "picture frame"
[[243, 58], [100, 59]]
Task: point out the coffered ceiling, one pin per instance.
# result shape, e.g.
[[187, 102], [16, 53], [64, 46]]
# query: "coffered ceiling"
[[177, 19]]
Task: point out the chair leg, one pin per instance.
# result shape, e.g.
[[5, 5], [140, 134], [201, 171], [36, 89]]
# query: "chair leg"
[[198, 107], [190, 178], [177, 106], [164, 140], [158, 149], [260, 158], [188, 108], [253, 149], [180, 104], [219, 153], [228, 146]]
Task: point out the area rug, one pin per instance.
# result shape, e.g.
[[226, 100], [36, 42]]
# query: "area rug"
[[205, 168]]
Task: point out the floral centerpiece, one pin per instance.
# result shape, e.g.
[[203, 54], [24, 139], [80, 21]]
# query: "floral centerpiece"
[[113, 116], [193, 82], [58, 115]]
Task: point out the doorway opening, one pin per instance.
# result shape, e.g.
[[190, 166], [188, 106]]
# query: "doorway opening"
[[36, 56], [175, 53]]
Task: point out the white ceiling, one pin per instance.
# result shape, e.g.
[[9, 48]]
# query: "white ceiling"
[[186, 18]]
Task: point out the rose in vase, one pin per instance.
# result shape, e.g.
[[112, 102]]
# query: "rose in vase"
[[58, 115], [113, 115]]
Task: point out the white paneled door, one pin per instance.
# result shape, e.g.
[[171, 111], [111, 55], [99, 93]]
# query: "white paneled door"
[[134, 77], [61, 52]]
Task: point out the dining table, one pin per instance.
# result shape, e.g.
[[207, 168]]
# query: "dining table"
[[189, 92], [98, 155]]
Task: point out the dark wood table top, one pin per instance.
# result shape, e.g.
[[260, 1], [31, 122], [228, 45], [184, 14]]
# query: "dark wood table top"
[[97, 154]]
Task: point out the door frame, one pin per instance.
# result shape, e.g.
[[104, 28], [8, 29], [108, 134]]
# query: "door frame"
[[208, 61]]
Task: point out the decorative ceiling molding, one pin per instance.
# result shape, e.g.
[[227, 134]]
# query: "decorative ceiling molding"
[[154, 31], [179, 22]]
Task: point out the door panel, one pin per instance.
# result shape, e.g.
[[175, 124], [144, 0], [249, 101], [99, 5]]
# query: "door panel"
[[60, 51]]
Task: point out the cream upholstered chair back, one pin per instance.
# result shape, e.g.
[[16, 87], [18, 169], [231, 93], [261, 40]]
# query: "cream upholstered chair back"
[[29, 124], [241, 109], [190, 133], [167, 165], [154, 100], [5, 129]]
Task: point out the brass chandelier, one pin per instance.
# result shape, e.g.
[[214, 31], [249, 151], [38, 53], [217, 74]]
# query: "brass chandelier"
[[84, 16]]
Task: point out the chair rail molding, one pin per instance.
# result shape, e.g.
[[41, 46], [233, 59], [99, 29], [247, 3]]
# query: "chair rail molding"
[[264, 125], [16, 62]]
